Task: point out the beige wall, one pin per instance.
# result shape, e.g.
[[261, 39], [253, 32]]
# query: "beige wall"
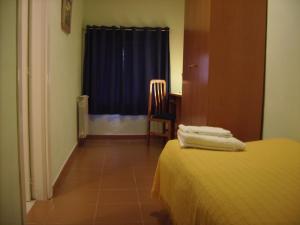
[[144, 13], [10, 202], [65, 82], [282, 94], [138, 13]]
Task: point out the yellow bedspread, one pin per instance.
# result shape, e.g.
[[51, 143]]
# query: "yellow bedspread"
[[259, 186]]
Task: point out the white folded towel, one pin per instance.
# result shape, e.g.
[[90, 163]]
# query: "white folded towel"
[[205, 130], [193, 140]]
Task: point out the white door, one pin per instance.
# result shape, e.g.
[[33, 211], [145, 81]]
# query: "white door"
[[32, 75], [38, 100]]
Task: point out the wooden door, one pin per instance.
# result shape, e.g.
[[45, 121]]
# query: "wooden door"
[[237, 65], [196, 62]]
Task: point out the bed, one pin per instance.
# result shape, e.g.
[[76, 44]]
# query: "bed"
[[258, 186]]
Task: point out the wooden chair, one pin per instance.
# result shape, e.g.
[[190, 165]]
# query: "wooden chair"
[[158, 110]]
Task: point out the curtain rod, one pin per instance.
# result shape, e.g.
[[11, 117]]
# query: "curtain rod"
[[126, 28]]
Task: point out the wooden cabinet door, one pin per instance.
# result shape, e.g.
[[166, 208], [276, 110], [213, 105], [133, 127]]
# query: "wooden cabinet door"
[[223, 68], [237, 64], [196, 62]]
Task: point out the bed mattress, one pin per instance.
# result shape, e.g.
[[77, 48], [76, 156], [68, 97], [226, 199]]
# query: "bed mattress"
[[258, 186]]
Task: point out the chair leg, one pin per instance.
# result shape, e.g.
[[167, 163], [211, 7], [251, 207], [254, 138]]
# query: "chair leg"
[[170, 130], [164, 131], [173, 133], [164, 127], [148, 132]]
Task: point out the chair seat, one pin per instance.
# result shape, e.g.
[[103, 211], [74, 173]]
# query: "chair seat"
[[165, 116]]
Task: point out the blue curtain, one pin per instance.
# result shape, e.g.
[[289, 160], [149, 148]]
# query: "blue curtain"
[[119, 63]]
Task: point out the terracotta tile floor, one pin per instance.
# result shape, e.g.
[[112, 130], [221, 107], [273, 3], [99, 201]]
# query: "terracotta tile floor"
[[105, 182]]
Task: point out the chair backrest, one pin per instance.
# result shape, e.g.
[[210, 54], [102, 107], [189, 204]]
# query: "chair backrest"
[[158, 91]]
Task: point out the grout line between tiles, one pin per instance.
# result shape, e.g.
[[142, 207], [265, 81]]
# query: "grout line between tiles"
[[138, 197], [118, 189], [99, 189]]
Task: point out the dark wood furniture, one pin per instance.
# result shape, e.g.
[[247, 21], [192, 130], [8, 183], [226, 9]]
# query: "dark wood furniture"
[[158, 110], [224, 64], [175, 108]]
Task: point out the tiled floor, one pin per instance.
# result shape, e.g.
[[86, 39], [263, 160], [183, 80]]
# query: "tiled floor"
[[106, 182]]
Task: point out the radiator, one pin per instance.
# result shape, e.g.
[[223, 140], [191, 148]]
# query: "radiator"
[[82, 107]]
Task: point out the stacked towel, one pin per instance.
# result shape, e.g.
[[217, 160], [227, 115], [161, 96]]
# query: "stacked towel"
[[205, 130], [208, 138]]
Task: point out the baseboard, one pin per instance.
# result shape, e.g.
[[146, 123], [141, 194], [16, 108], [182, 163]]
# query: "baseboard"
[[29, 205], [118, 136], [63, 165]]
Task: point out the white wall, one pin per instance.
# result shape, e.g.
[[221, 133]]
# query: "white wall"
[[282, 93], [65, 52], [10, 199], [117, 125], [153, 13]]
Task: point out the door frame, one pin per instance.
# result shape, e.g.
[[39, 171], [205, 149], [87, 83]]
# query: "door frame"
[[23, 119], [22, 93], [33, 97]]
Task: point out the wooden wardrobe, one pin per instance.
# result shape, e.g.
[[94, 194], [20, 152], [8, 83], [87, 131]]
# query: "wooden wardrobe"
[[224, 65]]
